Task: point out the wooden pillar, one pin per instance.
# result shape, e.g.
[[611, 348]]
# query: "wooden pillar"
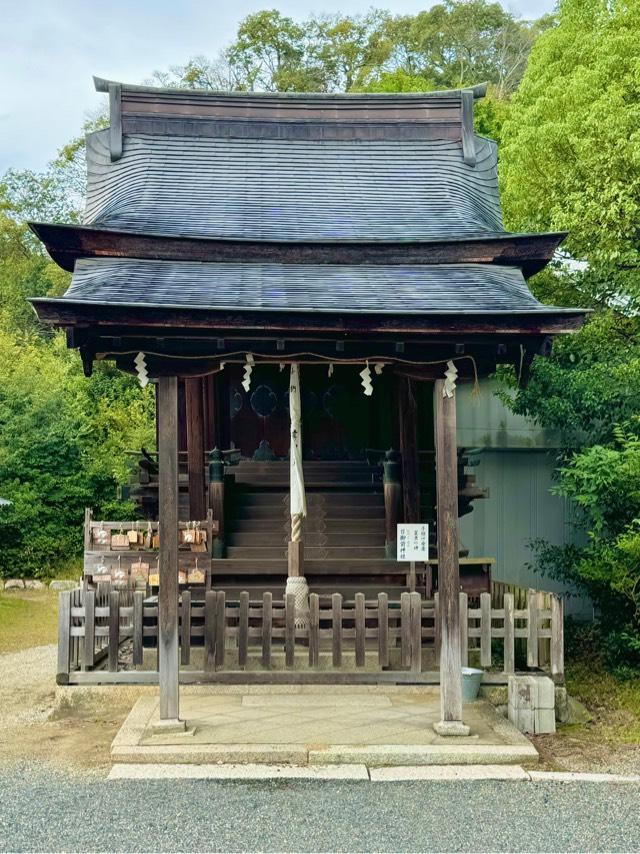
[[194, 402], [448, 566], [216, 499], [167, 395], [210, 413], [407, 414], [392, 487]]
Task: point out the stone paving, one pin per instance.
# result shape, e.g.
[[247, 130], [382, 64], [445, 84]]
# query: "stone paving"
[[317, 725]]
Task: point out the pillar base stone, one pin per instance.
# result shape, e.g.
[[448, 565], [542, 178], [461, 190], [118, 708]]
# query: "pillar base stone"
[[451, 728], [171, 726]]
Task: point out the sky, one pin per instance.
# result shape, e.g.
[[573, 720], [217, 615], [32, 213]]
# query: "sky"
[[49, 50]]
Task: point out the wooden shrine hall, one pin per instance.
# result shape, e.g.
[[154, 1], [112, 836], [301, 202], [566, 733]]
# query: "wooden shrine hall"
[[306, 278]]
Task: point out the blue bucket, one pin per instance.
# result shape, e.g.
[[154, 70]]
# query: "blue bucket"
[[471, 679]]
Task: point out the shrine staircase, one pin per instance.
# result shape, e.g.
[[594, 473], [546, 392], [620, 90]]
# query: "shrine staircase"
[[344, 533]]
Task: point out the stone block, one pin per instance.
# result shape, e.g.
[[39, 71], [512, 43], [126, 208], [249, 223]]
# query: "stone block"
[[522, 719], [522, 692], [546, 691], [14, 584], [33, 584], [544, 721], [63, 585]]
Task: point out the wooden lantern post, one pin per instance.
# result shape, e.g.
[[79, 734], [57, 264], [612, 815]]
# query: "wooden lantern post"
[[167, 397], [448, 565]]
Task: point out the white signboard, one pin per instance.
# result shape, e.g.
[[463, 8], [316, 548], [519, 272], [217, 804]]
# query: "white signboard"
[[413, 542]]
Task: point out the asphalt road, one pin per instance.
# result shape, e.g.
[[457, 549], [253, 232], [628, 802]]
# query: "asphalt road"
[[48, 811]]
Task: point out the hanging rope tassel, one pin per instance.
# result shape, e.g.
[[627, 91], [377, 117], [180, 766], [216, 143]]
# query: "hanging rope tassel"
[[248, 368], [450, 377], [366, 381], [141, 368]]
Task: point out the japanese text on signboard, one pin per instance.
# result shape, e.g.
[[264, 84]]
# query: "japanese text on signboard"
[[413, 542]]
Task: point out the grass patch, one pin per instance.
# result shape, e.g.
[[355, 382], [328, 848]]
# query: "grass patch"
[[27, 618], [613, 703]]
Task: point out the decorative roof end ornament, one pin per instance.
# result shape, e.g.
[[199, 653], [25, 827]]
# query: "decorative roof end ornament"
[[468, 137]]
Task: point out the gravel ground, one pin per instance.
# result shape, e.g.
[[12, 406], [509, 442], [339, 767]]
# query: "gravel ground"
[[51, 811]]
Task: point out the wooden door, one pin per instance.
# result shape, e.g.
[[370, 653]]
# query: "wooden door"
[[338, 421], [260, 417]]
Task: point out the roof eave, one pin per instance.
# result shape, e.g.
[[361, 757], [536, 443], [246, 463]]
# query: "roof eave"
[[69, 313], [67, 243]]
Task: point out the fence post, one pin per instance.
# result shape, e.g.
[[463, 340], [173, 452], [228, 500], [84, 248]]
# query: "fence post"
[[243, 629], [290, 629], [485, 630], [114, 629], [532, 629], [464, 629], [415, 607], [89, 629], [138, 621], [64, 637], [221, 624], [557, 635], [185, 634], [210, 631], [405, 630], [509, 635], [383, 630], [360, 629], [336, 629], [314, 630], [267, 626]]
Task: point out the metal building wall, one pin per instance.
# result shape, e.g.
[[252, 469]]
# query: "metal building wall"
[[517, 463]]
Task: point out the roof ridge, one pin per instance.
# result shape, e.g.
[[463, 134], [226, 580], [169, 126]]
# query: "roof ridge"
[[103, 84]]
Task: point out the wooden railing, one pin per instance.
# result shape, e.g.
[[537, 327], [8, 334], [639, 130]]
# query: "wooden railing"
[[111, 635]]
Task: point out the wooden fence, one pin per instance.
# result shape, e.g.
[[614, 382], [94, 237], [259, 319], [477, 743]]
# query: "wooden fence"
[[110, 635]]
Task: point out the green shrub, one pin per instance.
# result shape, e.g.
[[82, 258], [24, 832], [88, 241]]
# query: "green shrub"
[[63, 439]]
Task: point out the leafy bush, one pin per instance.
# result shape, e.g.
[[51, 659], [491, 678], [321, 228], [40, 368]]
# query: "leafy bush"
[[63, 439], [604, 484]]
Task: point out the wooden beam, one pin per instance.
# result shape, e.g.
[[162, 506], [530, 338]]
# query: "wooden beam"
[[448, 567], [194, 399], [168, 520], [67, 243], [63, 312], [407, 416]]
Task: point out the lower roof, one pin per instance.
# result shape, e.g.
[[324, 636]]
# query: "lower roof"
[[367, 289]]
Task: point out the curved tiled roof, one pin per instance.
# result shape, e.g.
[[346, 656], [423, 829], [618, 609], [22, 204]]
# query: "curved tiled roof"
[[287, 189], [398, 289]]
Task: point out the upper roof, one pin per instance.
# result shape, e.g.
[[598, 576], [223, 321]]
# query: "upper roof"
[[280, 189], [263, 166], [207, 207]]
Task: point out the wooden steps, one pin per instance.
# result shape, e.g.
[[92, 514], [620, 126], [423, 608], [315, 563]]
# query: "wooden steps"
[[312, 538], [344, 566], [259, 553], [344, 532]]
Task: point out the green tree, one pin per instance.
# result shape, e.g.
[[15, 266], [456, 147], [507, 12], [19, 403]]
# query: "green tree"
[[570, 160], [270, 53], [462, 42], [571, 147], [63, 438]]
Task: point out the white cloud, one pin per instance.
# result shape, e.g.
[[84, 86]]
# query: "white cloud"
[[49, 50]]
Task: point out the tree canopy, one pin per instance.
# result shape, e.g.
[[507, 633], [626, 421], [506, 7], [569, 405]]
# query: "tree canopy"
[[454, 43]]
